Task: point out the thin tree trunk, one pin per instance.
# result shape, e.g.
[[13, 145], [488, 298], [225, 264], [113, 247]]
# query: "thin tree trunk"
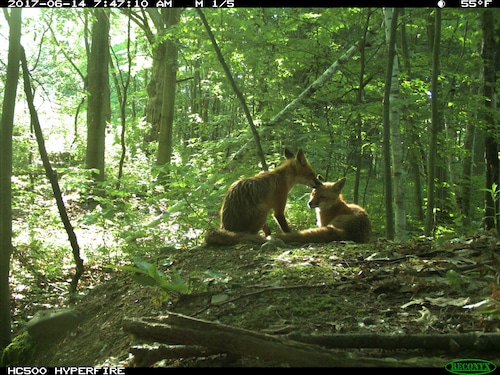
[[436, 126], [123, 104], [8, 107], [413, 151], [359, 120], [52, 176], [391, 17], [388, 183], [464, 200], [310, 90], [255, 133]]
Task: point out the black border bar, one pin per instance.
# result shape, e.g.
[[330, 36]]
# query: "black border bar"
[[443, 4]]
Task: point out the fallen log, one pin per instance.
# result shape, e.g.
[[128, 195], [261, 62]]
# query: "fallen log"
[[179, 329], [146, 355], [479, 341]]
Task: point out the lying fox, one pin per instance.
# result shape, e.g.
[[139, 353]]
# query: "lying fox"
[[248, 201], [337, 220]]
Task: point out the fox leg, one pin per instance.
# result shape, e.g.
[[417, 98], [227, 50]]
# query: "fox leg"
[[266, 229], [280, 218], [279, 213]]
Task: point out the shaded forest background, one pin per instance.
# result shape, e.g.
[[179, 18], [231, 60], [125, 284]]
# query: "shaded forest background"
[[148, 116]]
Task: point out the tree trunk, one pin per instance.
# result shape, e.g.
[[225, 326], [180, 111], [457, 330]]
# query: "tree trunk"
[[389, 211], [98, 109], [436, 126], [154, 90], [358, 141], [8, 107], [413, 152], [52, 176], [464, 200], [490, 46], [391, 17], [123, 100], [168, 93]]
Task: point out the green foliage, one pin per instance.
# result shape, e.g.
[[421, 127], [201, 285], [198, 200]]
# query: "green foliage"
[[274, 54], [148, 274], [495, 198], [456, 281]]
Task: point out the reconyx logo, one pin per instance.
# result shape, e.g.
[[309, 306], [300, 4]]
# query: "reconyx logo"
[[470, 366]]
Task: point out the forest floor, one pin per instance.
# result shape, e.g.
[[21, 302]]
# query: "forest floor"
[[415, 287]]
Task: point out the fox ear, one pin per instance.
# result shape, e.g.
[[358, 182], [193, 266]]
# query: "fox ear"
[[340, 183], [301, 157], [289, 154]]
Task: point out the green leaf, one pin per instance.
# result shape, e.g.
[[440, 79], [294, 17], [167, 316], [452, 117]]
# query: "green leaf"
[[143, 280], [142, 264], [455, 280]]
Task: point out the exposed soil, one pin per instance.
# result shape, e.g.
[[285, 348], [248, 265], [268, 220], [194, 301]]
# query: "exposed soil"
[[382, 287]]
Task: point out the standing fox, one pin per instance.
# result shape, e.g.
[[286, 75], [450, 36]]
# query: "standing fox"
[[337, 220], [247, 201]]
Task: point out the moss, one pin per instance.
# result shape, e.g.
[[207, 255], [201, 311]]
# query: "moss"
[[322, 306], [20, 351]]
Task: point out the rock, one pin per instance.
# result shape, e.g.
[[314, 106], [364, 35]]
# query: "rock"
[[49, 324], [19, 352], [273, 245], [219, 298]]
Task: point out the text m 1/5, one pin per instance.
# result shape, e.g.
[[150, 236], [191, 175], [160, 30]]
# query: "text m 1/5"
[[214, 3]]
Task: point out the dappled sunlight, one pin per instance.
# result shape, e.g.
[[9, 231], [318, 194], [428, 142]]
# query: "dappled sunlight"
[[149, 118]]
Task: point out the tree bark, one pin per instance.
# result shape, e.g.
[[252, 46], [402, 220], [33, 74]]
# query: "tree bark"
[[98, 109], [436, 126], [6, 129], [181, 329], [168, 94], [446, 342], [52, 176], [388, 182], [155, 89], [391, 17], [464, 199], [146, 356], [490, 49], [357, 139], [414, 150]]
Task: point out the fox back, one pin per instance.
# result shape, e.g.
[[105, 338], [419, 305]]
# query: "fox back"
[[331, 210], [248, 200]]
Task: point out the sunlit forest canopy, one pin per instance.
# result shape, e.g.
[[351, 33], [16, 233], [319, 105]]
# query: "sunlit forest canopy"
[[124, 204], [123, 129]]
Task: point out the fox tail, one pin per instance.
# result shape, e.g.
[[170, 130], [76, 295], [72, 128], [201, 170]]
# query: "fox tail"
[[313, 235], [223, 237]]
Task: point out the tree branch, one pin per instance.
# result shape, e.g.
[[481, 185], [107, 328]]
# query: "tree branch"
[[181, 329]]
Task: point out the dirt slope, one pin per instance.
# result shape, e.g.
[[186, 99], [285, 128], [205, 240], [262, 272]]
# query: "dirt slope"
[[382, 287]]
